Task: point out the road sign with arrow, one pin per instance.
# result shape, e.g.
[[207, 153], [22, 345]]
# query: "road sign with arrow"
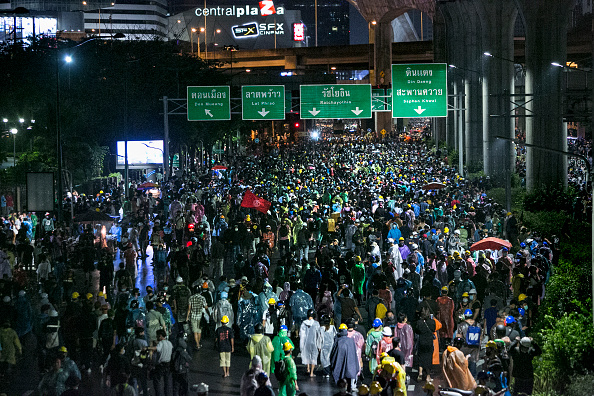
[[331, 101], [210, 103], [263, 102], [419, 90]]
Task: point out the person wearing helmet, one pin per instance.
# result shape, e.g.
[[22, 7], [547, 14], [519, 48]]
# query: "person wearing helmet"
[[375, 388], [223, 308], [445, 315], [224, 342], [523, 351], [372, 343], [309, 341], [288, 385], [472, 333], [385, 344], [196, 308], [278, 343], [363, 390], [343, 359]]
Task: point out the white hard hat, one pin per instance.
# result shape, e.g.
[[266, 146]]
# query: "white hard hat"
[[179, 279]]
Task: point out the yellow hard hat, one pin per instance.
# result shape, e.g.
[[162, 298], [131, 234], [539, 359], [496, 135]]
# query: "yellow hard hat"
[[89, 296], [446, 230], [522, 297], [75, 295], [100, 294], [363, 390], [491, 344], [464, 294], [375, 388], [271, 301], [63, 349], [342, 327], [287, 346], [225, 319]]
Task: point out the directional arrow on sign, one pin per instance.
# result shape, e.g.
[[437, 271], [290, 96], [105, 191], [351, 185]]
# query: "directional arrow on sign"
[[357, 111], [315, 112], [208, 112], [263, 112], [419, 110]]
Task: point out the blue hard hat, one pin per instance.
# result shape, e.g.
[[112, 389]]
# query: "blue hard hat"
[[509, 320], [522, 311], [377, 323], [280, 303], [283, 327], [505, 249], [545, 243], [224, 294], [468, 312], [522, 244]]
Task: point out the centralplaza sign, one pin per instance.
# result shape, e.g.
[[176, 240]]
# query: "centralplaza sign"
[[266, 9]]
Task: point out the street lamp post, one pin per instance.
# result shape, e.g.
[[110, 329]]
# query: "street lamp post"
[[14, 132], [192, 31]]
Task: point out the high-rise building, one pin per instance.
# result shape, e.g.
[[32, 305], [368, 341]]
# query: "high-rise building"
[[333, 21]]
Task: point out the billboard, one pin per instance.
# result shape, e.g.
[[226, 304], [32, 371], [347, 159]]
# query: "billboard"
[[259, 25], [298, 31], [141, 154], [40, 191]]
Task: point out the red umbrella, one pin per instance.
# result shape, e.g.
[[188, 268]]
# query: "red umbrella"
[[433, 186], [490, 243], [219, 167], [147, 185]]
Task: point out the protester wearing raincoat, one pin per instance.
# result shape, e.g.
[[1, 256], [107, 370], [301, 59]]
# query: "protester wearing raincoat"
[[223, 308], [343, 358], [300, 304], [261, 345], [310, 342], [278, 343], [289, 386], [455, 369], [326, 336]]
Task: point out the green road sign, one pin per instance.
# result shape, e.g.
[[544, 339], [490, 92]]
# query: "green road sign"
[[419, 90], [381, 100], [263, 102], [211, 103], [335, 101]]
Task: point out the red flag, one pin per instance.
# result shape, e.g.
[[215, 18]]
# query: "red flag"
[[251, 200]]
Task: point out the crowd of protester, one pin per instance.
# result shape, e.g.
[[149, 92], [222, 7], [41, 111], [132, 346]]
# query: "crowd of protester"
[[357, 271]]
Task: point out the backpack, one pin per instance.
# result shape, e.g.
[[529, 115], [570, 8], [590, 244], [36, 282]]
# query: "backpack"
[[180, 362], [380, 311], [373, 349], [182, 297], [281, 371], [473, 336]]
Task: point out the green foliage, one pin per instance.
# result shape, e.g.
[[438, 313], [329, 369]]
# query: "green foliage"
[[553, 198], [475, 167], [581, 385], [545, 222], [567, 289], [497, 194], [567, 344]]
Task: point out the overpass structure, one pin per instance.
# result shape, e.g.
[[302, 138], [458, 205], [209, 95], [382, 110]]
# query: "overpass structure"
[[477, 36]]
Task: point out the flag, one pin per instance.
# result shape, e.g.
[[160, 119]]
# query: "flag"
[[251, 200]]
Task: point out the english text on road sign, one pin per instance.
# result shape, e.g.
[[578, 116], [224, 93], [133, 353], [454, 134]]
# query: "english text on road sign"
[[263, 102], [209, 103], [419, 90], [335, 101]]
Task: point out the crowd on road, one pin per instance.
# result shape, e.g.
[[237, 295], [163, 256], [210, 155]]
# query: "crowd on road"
[[358, 260]]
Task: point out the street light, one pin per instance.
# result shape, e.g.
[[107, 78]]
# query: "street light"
[[14, 132], [68, 59]]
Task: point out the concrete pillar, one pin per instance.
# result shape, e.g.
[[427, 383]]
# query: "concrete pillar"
[[439, 55], [497, 24], [472, 85], [382, 48], [546, 42]]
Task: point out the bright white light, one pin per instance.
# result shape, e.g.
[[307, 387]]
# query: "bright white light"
[[315, 135], [32, 121], [68, 59], [21, 120], [452, 66], [5, 120], [556, 64], [14, 131], [487, 54]]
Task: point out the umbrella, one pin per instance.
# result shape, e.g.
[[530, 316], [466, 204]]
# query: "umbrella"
[[219, 167], [147, 185], [490, 243], [433, 186], [92, 216]]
